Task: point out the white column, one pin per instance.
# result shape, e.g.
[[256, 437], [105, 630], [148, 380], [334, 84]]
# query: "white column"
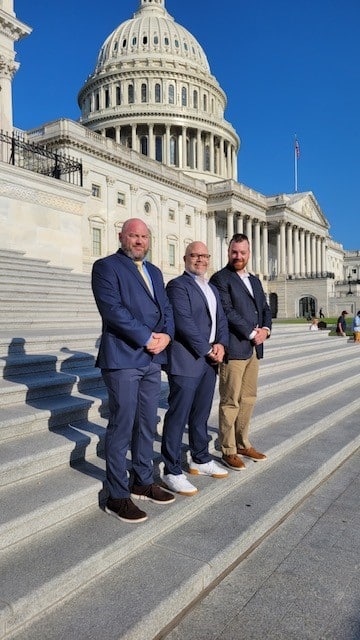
[[296, 252], [265, 251], [151, 142], [307, 253], [302, 253], [229, 224], [184, 158], [290, 252], [167, 144], [282, 249], [212, 153], [239, 223], [323, 257], [222, 158], [133, 137], [257, 247], [313, 255], [200, 157], [211, 237], [249, 235], [234, 163]]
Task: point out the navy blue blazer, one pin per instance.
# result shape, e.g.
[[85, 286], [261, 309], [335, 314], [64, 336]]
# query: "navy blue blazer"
[[129, 312], [187, 353], [243, 311]]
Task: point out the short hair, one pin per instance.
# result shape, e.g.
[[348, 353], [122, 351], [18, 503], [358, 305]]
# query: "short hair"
[[239, 237]]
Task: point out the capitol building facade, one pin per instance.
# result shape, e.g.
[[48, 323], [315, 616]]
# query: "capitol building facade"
[[153, 142]]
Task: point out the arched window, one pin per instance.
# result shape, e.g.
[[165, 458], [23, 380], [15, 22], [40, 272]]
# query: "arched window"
[[195, 99], [107, 98], [157, 92], [184, 96], [144, 96], [171, 94], [118, 95], [130, 93]]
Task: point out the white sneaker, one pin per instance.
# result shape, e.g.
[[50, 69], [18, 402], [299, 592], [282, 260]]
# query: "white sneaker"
[[179, 484], [207, 469]]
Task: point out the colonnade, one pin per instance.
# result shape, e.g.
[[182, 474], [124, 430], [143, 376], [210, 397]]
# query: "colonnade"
[[179, 146], [278, 248]]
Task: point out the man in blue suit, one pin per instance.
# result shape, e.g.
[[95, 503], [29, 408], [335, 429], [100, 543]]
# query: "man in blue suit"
[[249, 318], [137, 326], [201, 335]]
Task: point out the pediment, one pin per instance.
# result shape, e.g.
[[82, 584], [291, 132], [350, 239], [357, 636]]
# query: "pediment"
[[307, 206]]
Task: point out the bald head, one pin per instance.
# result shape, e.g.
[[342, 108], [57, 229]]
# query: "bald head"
[[196, 258]]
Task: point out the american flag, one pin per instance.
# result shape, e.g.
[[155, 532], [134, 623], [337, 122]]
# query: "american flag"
[[297, 149]]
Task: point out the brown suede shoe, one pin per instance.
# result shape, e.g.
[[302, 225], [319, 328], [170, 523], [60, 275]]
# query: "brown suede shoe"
[[125, 510], [233, 462], [250, 452], [152, 492]]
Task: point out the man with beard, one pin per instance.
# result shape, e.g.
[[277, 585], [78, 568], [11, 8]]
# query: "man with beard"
[[249, 320], [138, 325]]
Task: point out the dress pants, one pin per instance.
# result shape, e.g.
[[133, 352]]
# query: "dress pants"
[[238, 391], [190, 401], [133, 404]]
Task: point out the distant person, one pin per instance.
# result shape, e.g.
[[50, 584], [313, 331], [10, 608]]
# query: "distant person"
[[321, 314], [356, 327], [314, 324], [341, 324], [137, 327], [249, 319], [201, 335]]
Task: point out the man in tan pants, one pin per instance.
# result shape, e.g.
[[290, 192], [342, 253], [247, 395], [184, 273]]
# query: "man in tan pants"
[[249, 320]]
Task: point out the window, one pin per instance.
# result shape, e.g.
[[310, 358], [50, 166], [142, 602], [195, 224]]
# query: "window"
[[145, 40], [118, 95], [144, 145], [107, 98], [134, 41], [188, 219], [130, 93], [97, 102], [96, 241], [147, 207], [171, 250], [205, 102], [121, 198], [171, 215], [158, 148], [171, 94], [95, 191], [144, 92], [173, 150], [156, 39], [157, 92], [166, 41], [195, 100], [184, 96]]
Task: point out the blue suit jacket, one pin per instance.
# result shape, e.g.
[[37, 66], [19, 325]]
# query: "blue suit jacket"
[[129, 312], [243, 311], [187, 353]]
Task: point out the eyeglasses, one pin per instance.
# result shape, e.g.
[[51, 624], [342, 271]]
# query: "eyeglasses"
[[200, 256]]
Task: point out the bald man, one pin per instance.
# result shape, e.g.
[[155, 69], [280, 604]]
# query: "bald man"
[[138, 325], [201, 335]]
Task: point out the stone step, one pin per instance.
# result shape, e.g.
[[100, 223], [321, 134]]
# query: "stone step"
[[73, 566], [38, 340]]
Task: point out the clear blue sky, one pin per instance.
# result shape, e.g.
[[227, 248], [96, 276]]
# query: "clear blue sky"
[[287, 67]]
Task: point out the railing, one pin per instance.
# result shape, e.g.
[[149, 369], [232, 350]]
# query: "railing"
[[15, 150]]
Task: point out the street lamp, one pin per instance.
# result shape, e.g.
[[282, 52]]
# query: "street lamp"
[[349, 293]]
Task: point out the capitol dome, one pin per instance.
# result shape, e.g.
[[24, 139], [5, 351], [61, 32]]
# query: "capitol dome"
[[152, 90]]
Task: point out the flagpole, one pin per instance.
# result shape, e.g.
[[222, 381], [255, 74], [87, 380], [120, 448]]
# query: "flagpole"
[[296, 157]]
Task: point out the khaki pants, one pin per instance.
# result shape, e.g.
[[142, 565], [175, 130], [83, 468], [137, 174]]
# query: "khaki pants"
[[357, 336], [238, 391]]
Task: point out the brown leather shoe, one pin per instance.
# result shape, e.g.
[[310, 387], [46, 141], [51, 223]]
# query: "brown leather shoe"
[[152, 492], [250, 452], [233, 462]]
